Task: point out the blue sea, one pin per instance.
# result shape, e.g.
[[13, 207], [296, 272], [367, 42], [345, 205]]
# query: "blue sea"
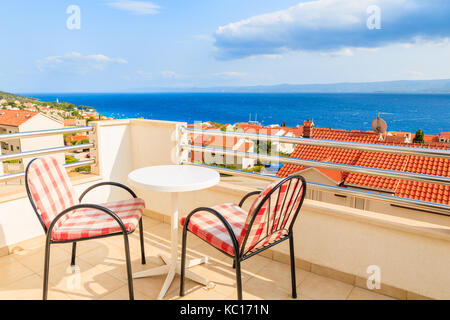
[[429, 112]]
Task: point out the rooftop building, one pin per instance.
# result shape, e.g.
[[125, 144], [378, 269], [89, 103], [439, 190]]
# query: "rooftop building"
[[13, 121]]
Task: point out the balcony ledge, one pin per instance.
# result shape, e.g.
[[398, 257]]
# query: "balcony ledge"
[[422, 228]]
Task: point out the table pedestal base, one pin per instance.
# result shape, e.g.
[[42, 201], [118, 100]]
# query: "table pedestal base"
[[171, 269]]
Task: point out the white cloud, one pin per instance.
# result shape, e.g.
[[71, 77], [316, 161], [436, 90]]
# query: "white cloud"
[[75, 62], [169, 74], [368, 49], [333, 25], [135, 7], [272, 56], [345, 52]]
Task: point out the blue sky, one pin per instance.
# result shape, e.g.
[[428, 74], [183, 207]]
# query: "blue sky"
[[125, 45]]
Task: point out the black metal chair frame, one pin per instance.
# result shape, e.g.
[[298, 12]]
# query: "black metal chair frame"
[[124, 232], [243, 255]]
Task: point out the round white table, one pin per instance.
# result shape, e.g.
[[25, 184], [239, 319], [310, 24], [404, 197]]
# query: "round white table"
[[173, 179]]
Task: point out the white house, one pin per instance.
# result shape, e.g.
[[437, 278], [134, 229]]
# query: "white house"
[[12, 121]]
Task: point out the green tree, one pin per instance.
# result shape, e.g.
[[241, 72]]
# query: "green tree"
[[70, 159], [76, 114], [83, 141], [420, 136]]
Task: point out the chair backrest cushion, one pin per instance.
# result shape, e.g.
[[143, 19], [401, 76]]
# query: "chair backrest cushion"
[[50, 188], [272, 213]]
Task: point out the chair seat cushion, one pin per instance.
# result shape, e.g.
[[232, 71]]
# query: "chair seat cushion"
[[88, 222], [209, 228]]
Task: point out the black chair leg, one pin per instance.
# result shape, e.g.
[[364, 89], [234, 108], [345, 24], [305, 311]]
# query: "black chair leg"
[[237, 264], [46, 270], [141, 234], [74, 253], [183, 261], [234, 264], [294, 283], [129, 274]]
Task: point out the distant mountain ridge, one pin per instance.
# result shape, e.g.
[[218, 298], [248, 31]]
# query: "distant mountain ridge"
[[400, 86], [12, 97]]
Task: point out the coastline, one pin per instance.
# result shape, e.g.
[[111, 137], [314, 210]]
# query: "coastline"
[[350, 111]]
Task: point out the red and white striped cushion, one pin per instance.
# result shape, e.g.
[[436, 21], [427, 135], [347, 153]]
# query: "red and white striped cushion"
[[208, 227], [87, 222], [50, 188], [259, 223], [271, 223]]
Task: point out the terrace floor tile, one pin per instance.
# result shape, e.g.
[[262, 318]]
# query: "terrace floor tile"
[[100, 272]]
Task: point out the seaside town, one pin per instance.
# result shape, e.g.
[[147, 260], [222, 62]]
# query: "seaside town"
[[25, 115], [19, 114]]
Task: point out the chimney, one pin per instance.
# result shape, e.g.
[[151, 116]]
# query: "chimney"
[[308, 129]]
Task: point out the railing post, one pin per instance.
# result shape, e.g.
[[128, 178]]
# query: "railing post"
[[93, 152], [181, 154], [1, 163]]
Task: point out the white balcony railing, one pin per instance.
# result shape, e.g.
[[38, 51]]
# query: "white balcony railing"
[[417, 204], [41, 152]]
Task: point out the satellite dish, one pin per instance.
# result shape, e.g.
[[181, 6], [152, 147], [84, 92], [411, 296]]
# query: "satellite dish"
[[379, 125]]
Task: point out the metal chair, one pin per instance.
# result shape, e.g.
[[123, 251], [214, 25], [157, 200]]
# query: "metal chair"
[[66, 220], [241, 235]]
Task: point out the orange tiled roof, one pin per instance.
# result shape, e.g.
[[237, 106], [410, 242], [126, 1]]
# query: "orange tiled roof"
[[380, 160], [76, 138], [444, 135], [15, 118], [426, 191], [296, 131], [218, 142], [245, 125], [70, 122], [337, 155], [423, 191], [427, 138], [394, 139], [401, 188], [430, 138], [345, 135]]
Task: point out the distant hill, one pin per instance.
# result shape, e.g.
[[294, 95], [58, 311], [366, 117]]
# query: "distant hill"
[[13, 97], [401, 86]]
